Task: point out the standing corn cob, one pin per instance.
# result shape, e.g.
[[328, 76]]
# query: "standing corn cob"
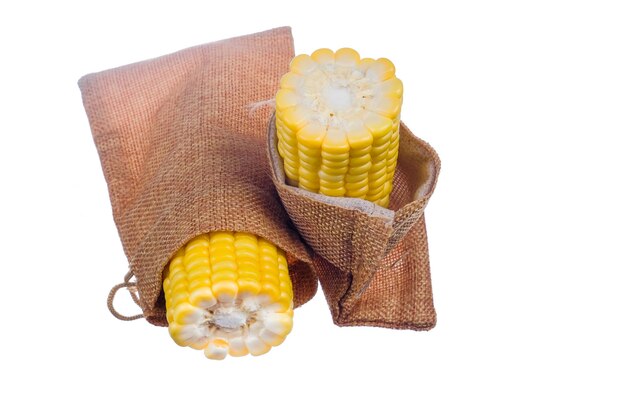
[[337, 121], [228, 293]]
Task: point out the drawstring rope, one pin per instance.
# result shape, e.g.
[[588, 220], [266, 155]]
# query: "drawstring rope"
[[132, 289]]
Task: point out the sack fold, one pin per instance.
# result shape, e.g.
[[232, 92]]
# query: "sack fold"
[[372, 262]]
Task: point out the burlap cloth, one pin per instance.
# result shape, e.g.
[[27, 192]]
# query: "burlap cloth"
[[372, 262], [182, 142]]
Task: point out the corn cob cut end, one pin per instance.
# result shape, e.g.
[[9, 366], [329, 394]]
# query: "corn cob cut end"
[[228, 293], [337, 122]]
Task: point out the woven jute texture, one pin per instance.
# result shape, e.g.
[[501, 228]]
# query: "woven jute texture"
[[183, 154], [372, 262]]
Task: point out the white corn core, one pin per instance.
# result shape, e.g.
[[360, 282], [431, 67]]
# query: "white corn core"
[[337, 98], [230, 317], [336, 95]]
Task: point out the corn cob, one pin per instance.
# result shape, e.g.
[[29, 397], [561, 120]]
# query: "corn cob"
[[228, 293], [337, 122]]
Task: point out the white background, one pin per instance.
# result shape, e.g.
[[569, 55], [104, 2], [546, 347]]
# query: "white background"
[[525, 103]]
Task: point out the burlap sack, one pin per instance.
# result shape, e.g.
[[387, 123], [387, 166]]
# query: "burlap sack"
[[372, 262], [182, 154]]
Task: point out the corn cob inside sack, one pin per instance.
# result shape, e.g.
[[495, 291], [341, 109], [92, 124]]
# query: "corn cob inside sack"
[[337, 122], [228, 293]]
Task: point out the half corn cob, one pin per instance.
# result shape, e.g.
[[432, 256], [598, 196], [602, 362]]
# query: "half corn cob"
[[337, 121], [228, 293]]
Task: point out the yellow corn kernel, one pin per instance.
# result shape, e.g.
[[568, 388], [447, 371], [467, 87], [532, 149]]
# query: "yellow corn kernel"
[[228, 293], [323, 56], [337, 122]]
